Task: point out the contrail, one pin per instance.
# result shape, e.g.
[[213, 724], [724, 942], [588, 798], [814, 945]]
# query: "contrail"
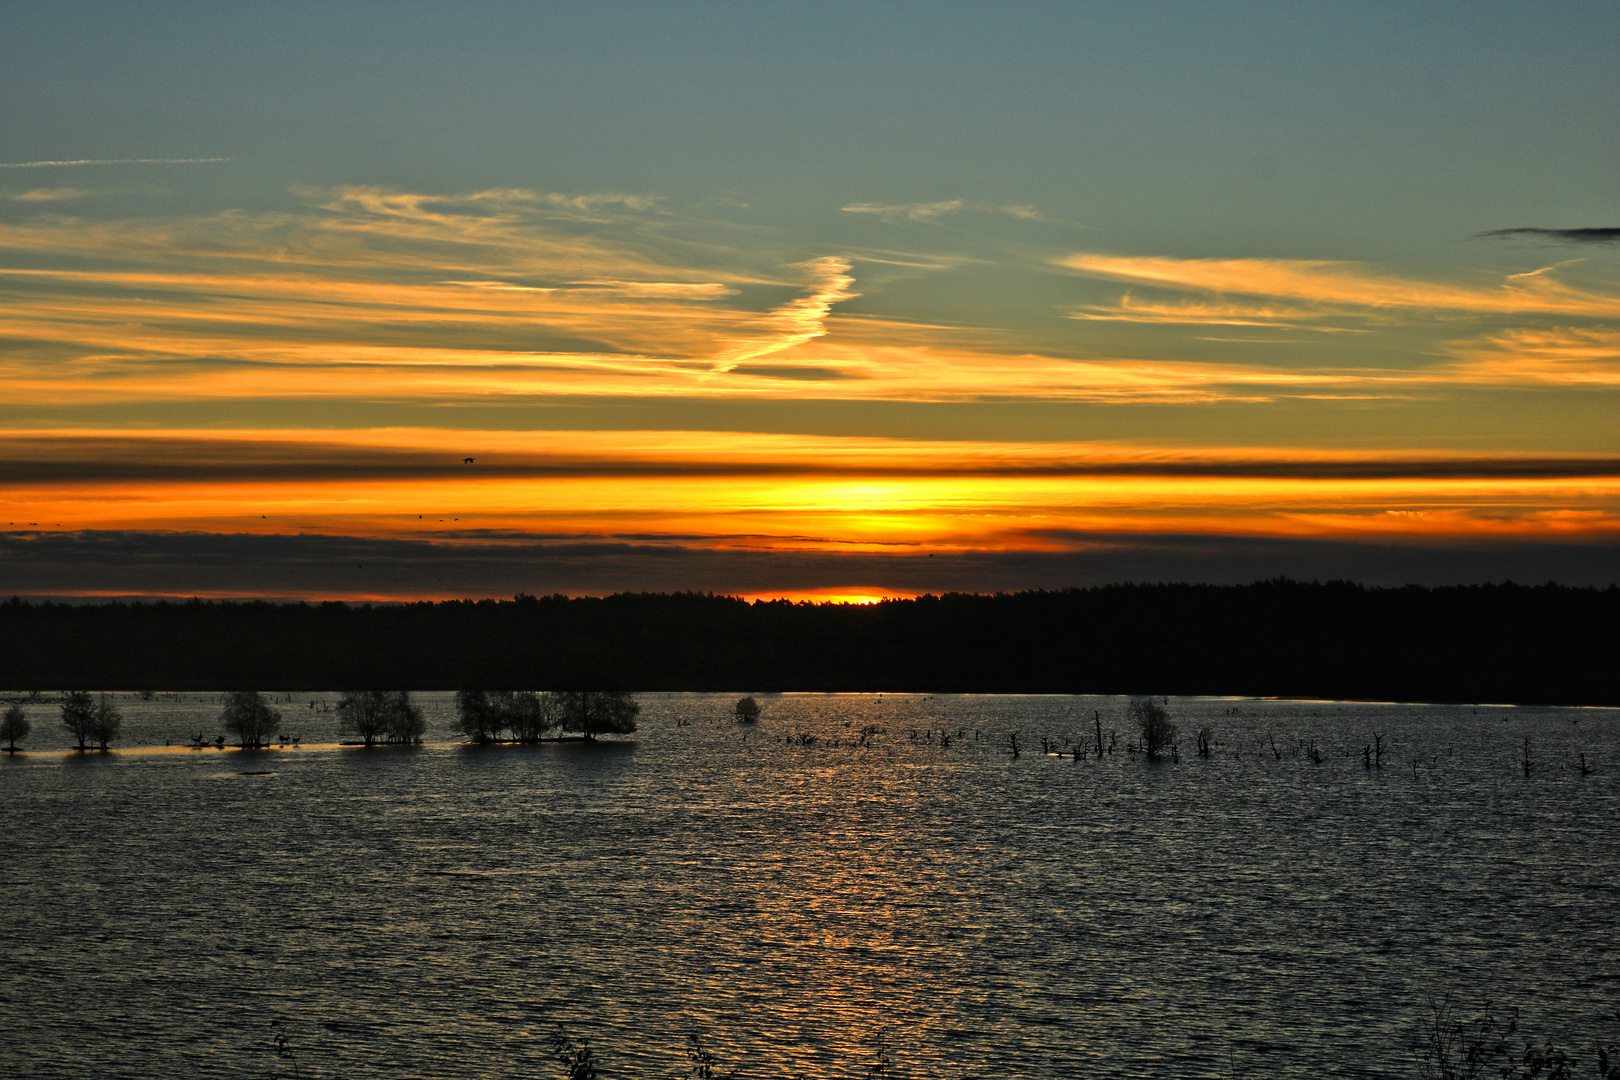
[[115, 161]]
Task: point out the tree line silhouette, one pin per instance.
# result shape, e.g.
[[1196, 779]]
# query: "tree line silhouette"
[[1545, 644]]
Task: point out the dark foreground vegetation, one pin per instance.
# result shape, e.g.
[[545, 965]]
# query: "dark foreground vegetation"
[[1491, 643], [1448, 1043]]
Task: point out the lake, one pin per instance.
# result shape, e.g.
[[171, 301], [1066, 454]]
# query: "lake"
[[805, 900]]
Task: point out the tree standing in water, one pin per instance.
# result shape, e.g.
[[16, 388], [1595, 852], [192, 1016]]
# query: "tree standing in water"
[[747, 710], [364, 713], [404, 723], [105, 722], [477, 717], [598, 712], [523, 715], [79, 716], [1153, 721], [250, 718], [381, 716], [532, 715], [14, 726]]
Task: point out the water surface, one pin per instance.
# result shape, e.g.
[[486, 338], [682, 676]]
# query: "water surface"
[[804, 900]]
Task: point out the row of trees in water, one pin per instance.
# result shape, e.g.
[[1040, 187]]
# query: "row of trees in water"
[[484, 716], [527, 716], [374, 717], [390, 717], [93, 721]]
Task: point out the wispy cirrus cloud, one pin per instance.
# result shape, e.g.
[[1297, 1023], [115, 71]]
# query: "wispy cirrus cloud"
[[467, 294], [492, 206], [113, 161], [498, 293], [673, 290], [1554, 356], [53, 194], [932, 211], [800, 320], [345, 277], [915, 211], [1193, 313], [1323, 295], [1348, 285], [381, 234]]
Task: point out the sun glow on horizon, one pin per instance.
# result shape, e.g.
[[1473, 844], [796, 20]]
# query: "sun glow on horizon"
[[853, 597]]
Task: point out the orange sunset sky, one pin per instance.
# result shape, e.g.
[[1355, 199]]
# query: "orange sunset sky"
[[817, 303]]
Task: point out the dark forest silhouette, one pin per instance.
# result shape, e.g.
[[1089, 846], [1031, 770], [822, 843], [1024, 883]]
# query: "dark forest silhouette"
[[1490, 643]]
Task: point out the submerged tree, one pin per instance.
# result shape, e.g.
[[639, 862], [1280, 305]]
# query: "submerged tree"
[[250, 718], [91, 720], [478, 717], [14, 726], [363, 713], [79, 716], [747, 710], [598, 712], [404, 719], [524, 716], [105, 722], [380, 716], [1206, 741], [531, 715], [1153, 722]]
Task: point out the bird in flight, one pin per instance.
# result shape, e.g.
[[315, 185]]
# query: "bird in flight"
[[466, 461]]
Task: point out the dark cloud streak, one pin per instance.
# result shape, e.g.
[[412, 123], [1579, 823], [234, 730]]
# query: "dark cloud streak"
[[319, 567], [77, 460], [1568, 236]]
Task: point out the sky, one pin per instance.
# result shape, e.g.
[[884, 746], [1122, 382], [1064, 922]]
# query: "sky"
[[833, 301]]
